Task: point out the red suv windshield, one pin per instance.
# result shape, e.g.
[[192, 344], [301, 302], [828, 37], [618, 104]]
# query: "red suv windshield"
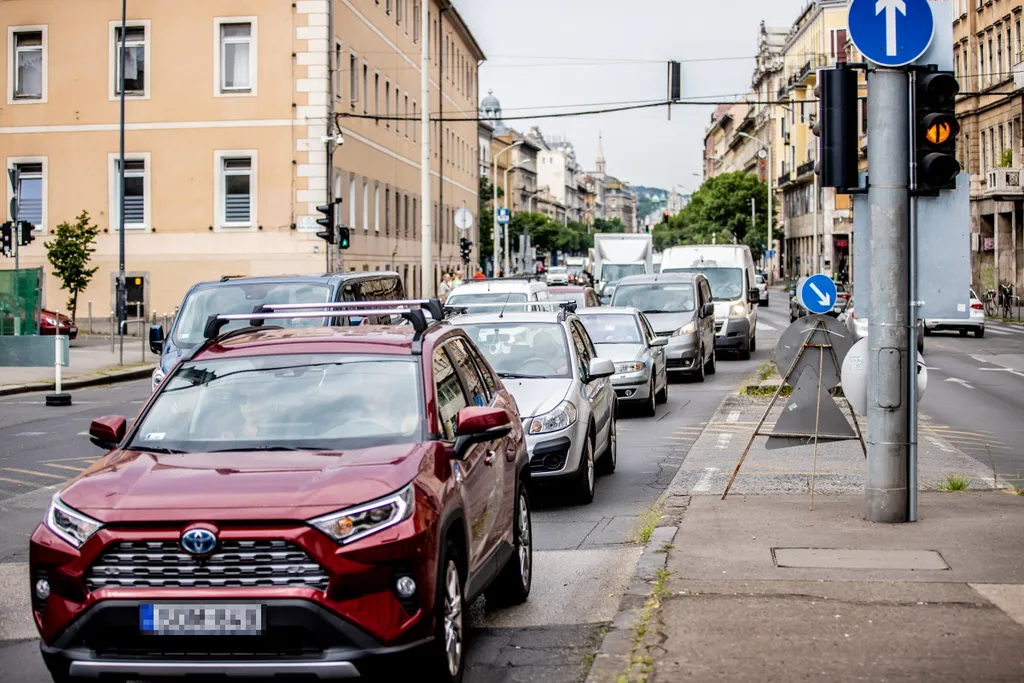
[[287, 402]]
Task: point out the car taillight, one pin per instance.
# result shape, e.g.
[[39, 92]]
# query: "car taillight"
[[978, 307]]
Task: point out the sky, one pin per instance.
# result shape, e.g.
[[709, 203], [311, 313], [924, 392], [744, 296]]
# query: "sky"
[[544, 54]]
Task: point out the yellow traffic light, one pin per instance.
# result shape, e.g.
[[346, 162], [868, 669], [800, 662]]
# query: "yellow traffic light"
[[938, 132]]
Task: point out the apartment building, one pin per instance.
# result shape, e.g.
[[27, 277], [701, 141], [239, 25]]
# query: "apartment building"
[[227, 109], [988, 60]]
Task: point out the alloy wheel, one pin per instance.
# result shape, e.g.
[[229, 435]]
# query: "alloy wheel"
[[590, 465], [525, 541], [453, 619]]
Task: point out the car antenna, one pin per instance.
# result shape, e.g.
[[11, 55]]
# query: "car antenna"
[[502, 313]]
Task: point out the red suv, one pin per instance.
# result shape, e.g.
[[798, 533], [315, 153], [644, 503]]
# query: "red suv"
[[303, 502]]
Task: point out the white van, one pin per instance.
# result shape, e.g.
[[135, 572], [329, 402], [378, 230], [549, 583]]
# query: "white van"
[[729, 269]]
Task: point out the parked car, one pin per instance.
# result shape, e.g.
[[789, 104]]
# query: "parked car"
[[557, 275], [243, 295], [762, 288], [563, 389], [975, 323], [858, 326], [48, 323], [267, 501], [489, 295], [585, 297], [626, 337], [680, 307]]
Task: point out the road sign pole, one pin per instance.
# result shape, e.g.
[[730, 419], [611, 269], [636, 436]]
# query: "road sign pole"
[[888, 198], [911, 380]]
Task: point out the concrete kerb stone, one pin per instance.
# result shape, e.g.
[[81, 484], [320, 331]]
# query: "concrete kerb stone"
[[110, 377]]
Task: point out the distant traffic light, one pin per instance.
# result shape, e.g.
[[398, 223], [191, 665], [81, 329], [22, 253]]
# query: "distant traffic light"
[[836, 127], [7, 239], [937, 128], [26, 233], [328, 233], [343, 238], [465, 247], [664, 218]]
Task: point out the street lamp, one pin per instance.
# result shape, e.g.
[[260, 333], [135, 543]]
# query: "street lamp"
[[508, 227], [494, 176], [768, 150]]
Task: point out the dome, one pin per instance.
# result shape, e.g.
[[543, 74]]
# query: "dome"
[[490, 103]]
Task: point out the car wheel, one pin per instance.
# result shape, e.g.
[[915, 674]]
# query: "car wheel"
[[963, 333], [765, 304], [698, 374], [607, 463], [64, 677], [927, 331], [650, 405], [711, 367], [979, 333], [512, 587], [792, 318], [753, 341], [448, 648], [585, 480], [662, 396]]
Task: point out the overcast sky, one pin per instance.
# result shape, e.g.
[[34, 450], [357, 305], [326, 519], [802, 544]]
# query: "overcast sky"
[[542, 54]]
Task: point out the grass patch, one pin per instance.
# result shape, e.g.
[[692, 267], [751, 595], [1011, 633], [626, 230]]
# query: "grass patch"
[[641, 663], [769, 391], [955, 482], [648, 523], [664, 550], [766, 370]]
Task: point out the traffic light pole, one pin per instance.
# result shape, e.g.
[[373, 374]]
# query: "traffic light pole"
[[886, 488], [912, 311]]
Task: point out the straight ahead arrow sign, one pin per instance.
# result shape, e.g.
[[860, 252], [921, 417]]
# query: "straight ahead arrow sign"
[[890, 8]]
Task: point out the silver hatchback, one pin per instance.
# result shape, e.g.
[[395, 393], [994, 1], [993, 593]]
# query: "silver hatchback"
[[549, 364]]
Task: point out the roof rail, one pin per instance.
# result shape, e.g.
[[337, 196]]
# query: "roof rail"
[[535, 276], [432, 306], [215, 323], [225, 278], [566, 306]]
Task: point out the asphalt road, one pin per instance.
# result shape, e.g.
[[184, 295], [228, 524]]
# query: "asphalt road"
[[584, 555]]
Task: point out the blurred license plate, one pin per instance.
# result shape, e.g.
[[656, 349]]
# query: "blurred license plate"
[[201, 620]]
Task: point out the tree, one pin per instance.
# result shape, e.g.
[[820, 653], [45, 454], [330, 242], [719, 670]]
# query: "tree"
[[614, 225], [720, 212], [69, 253]]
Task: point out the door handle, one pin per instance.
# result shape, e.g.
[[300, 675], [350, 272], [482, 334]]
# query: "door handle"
[[489, 458]]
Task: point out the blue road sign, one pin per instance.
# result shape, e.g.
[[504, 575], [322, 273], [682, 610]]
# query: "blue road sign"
[[817, 293], [891, 32], [771, 253], [503, 216]]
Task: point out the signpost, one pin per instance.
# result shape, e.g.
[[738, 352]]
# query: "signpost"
[[817, 293], [891, 32], [503, 216], [463, 219]]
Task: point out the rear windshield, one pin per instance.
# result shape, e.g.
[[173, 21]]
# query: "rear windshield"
[[656, 298], [244, 297], [498, 298], [303, 402], [611, 328], [726, 283], [613, 272]]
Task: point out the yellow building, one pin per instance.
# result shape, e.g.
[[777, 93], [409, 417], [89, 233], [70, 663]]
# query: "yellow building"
[[226, 158]]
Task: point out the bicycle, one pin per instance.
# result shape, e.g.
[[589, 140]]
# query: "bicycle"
[[990, 303], [1006, 301]]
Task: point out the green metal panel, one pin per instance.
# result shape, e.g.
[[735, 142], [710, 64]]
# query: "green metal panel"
[[20, 301], [31, 351]]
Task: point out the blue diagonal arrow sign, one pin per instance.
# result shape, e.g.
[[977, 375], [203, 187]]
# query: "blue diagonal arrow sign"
[[891, 32]]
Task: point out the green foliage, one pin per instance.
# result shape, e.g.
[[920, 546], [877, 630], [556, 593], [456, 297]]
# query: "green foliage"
[[69, 253], [1007, 159], [614, 225]]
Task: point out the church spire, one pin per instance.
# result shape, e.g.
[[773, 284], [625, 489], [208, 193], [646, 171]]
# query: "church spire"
[[600, 154]]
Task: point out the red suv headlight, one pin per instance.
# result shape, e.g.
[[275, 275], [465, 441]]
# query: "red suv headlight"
[[70, 524], [358, 522]]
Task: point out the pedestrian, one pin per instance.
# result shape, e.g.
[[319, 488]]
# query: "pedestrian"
[[479, 274], [445, 288], [457, 278]]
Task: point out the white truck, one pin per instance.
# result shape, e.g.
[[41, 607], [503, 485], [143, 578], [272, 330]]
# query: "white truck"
[[618, 255]]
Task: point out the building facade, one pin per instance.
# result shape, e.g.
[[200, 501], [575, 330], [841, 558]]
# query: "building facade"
[[225, 166], [989, 64]]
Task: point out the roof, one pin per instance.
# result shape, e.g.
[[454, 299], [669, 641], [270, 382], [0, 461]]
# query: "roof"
[[393, 340], [509, 317], [461, 27], [657, 277], [566, 289], [500, 286], [605, 310], [325, 278]]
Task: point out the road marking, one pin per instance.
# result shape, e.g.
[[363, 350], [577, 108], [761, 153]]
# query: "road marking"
[[31, 434], [704, 483], [766, 326], [993, 330], [723, 440], [941, 446], [19, 481], [37, 474], [1009, 370], [66, 467], [734, 416], [83, 434], [961, 382]]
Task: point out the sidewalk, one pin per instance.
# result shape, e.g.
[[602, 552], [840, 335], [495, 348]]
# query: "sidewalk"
[[88, 363], [760, 588]]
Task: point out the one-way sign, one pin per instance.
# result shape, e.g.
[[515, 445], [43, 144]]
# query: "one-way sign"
[[891, 32]]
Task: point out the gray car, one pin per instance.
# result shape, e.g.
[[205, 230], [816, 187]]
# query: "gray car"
[[680, 308], [626, 337], [549, 364]]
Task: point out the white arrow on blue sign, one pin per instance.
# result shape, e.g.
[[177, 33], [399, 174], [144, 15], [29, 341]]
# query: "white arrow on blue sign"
[[503, 216], [891, 32], [817, 293]]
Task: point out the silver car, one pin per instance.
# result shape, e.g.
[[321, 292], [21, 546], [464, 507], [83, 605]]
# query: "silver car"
[[625, 336], [563, 389]]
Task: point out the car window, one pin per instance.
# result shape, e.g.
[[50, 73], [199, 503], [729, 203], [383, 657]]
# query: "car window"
[[584, 351], [385, 288], [471, 379], [306, 401], [478, 299], [706, 288], [485, 370], [648, 330], [656, 297], [450, 397], [522, 350]]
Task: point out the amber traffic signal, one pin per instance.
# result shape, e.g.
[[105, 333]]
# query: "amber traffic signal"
[[937, 128]]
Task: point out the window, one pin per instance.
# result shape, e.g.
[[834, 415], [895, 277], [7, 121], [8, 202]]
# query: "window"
[[387, 212], [387, 6], [366, 86], [981, 66], [415, 121], [136, 188], [376, 207], [984, 153], [337, 66], [405, 213], [237, 57], [376, 97], [387, 104], [399, 7], [407, 122], [999, 56], [415, 215], [237, 189], [459, 352], [366, 206], [31, 190], [450, 397], [353, 75], [28, 64], [991, 68], [1016, 44], [134, 61], [352, 201], [417, 27], [398, 112]]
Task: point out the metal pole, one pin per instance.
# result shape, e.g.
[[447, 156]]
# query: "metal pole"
[[427, 283], [122, 294], [57, 355], [496, 237], [90, 317], [771, 216], [16, 234], [912, 318], [888, 197], [508, 227], [334, 265], [814, 239]]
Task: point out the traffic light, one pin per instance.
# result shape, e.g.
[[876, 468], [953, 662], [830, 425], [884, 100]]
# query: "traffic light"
[[664, 218], [937, 128], [343, 236], [26, 233], [465, 246], [328, 233], [7, 239], [836, 127]]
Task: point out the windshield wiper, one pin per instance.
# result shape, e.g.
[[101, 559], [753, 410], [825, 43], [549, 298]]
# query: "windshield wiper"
[[657, 312], [266, 448], [154, 449], [512, 375]]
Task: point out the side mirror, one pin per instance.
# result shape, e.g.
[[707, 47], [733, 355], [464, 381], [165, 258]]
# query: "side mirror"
[[479, 425], [754, 295], [600, 367], [107, 432], [156, 339], [707, 310], [659, 341]]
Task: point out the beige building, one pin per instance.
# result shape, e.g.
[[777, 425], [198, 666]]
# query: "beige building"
[[989, 63], [226, 157]]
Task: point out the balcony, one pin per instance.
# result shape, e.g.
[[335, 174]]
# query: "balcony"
[[1005, 182], [784, 179], [805, 169]]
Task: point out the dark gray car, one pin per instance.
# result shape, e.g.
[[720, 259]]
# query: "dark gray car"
[[679, 306]]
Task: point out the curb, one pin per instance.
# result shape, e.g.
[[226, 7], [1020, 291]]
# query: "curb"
[[98, 380]]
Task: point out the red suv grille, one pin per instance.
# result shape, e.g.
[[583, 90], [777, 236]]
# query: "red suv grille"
[[234, 564]]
